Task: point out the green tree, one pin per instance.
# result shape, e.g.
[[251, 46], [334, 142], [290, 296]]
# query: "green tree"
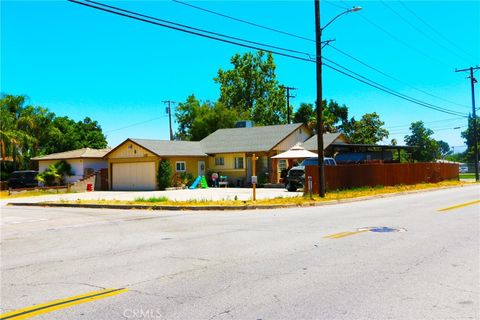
[[426, 147], [468, 136], [165, 174], [444, 148], [252, 87], [305, 114], [196, 120], [55, 174], [335, 116], [27, 131], [368, 130]]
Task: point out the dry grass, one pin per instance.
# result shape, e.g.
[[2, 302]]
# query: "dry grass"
[[25, 194], [302, 200]]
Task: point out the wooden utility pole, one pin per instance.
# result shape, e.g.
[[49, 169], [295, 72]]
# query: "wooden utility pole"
[[288, 96], [169, 111], [474, 115]]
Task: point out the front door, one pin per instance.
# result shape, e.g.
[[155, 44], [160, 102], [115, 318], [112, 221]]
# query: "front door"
[[201, 168]]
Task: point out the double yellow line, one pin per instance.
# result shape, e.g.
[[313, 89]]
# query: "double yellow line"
[[60, 304], [459, 206], [344, 234]]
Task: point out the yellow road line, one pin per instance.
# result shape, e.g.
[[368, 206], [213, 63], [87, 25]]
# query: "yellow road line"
[[459, 206], [60, 304], [344, 234]]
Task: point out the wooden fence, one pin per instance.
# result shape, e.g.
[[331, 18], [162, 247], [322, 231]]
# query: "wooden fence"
[[388, 174]]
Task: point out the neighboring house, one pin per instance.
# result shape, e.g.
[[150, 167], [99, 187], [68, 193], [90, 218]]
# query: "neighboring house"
[[230, 151], [83, 161], [133, 165], [329, 139]]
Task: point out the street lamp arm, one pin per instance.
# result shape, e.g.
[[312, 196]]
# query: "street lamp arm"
[[354, 9]]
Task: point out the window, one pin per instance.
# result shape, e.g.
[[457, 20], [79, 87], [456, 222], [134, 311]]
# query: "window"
[[220, 161], [282, 164], [238, 162], [180, 166]]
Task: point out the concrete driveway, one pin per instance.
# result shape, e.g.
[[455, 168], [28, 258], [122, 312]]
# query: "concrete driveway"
[[176, 195]]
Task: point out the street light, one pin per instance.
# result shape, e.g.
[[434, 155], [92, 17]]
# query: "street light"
[[319, 108]]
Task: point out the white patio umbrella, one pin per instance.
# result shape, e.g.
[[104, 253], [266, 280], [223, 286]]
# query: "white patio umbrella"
[[295, 152]]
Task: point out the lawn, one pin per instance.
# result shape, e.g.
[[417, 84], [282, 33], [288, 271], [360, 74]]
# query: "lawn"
[[301, 200], [34, 193], [467, 175]]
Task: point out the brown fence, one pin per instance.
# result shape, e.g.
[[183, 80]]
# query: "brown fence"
[[388, 174]]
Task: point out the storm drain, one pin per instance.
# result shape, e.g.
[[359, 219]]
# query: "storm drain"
[[382, 229]]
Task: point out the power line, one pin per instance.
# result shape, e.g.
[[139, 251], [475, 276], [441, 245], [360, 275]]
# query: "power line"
[[443, 120], [366, 81], [135, 124], [406, 44], [419, 30], [394, 78], [434, 30], [190, 27], [312, 40], [433, 129], [396, 93], [243, 21]]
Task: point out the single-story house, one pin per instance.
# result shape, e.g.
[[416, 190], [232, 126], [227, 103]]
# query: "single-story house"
[[230, 151], [133, 165], [83, 161], [329, 139]]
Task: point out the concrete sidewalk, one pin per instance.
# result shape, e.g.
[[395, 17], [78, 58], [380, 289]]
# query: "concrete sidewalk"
[[242, 194]]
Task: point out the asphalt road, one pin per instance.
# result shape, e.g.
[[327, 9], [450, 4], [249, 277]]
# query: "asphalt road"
[[308, 263]]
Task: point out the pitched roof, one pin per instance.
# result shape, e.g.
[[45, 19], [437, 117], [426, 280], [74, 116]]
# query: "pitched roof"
[[75, 154], [328, 139], [166, 148], [255, 139]]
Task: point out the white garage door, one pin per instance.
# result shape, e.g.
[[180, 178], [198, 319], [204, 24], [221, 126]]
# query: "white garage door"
[[133, 176]]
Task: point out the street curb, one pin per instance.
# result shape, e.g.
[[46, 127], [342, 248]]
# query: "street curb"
[[224, 208]]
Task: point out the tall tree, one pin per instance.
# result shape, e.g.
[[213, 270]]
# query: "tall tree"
[[29, 131], [444, 148], [368, 130], [426, 147], [305, 114], [196, 120], [252, 87], [335, 116], [468, 136]]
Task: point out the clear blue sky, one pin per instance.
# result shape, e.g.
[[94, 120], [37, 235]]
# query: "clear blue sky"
[[80, 62]]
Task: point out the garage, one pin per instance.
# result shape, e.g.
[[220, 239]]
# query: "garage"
[[134, 176]]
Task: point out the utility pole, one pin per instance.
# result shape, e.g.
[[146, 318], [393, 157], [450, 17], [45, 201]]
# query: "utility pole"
[[319, 106], [169, 111], [474, 114], [288, 100]]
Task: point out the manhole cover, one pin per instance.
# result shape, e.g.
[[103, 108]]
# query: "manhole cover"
[[382, 229]]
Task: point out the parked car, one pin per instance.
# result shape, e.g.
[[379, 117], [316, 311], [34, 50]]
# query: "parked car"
[[463, 169], [296, 176], [23, 179]]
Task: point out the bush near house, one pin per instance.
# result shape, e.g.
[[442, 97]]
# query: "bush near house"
[[55, 174], [164, 177], [182, 179]]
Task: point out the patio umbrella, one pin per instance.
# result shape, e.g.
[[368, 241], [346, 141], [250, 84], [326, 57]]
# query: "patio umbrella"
[[295, 152]]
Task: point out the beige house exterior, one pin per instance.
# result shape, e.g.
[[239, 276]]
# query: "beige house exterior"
[[83, 161], [231, 150], [133, 165]]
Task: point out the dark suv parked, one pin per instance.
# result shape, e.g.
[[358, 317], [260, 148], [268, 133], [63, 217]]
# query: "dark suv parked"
[[296, 176], [23, 179]]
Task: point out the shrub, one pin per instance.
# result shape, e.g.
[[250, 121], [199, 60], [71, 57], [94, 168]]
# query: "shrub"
[[164, 176], [55, 174]]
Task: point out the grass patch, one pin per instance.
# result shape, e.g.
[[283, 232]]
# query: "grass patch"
[[25, 194], [151, 199], [467, 175], [300, 200]]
